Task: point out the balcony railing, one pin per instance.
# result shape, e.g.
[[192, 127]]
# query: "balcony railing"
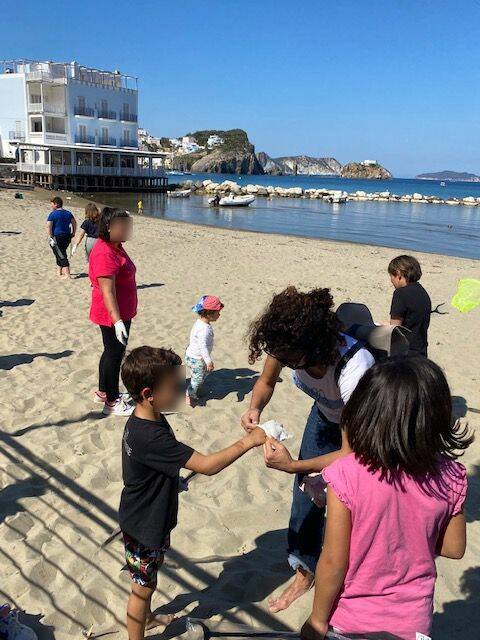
[[107, 115], [46, 107], [88, 112], [129, 117], [45, 76], [108, 142], [84, 139], [88, 170], [16, 135], [129, 143]]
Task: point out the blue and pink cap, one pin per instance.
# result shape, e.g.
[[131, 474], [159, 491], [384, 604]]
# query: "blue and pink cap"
[[208, 303]]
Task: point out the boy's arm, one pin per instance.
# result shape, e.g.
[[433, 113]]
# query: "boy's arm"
[[333, 562], [453, 541], [204, 352], [397, 309], [213, 463], [277, 456]]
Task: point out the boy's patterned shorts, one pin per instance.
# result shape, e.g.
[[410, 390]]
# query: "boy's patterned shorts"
[[142, 562]]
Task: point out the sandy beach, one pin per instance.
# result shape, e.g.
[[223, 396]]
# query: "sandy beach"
[[60, 460]]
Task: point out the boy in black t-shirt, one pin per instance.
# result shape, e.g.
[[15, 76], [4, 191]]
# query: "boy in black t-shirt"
[[411, 304], [151, 462]]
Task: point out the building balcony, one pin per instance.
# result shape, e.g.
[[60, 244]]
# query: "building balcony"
[[84, 139], [45, 76], [128, 117], [86, 112], [16, 135], [46, 107], [89, 170], [108, 142], [107, 115], [133, 144]]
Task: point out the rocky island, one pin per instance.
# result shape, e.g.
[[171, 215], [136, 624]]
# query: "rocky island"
[[453, 176], [299, 165], [365, 171]]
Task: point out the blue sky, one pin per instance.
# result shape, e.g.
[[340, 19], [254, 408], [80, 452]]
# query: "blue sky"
[[394, 80]]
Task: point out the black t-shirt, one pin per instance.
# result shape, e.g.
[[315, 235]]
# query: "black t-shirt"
[[413, 306], [151, 461], [90, 227]]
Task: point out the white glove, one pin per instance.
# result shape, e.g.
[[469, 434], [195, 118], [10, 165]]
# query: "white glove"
[[51, 242], [74, 248], [121, 332]]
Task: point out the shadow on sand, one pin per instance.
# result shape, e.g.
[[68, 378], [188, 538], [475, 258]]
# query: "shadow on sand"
[[460, 618], [222, 382], [15, 359], [22, 302]]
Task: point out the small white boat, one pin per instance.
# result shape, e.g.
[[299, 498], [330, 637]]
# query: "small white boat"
[[443, 184], [232, 201], [183, 193]]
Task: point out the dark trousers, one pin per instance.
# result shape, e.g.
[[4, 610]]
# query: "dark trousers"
[[60, 249], [110, 361], [307, 521]]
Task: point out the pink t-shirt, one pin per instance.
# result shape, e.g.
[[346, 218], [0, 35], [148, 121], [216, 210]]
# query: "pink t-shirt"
[[395, 529], [107, 260]]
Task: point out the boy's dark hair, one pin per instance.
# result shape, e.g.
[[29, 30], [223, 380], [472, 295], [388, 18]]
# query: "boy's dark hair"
[[57, 201], [399, 418], [298, 323], [145, 367], [107, 216], [206, 313], [407, 266]]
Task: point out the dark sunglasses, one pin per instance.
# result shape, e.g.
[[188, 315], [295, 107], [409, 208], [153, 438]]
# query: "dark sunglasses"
[[302, 363]]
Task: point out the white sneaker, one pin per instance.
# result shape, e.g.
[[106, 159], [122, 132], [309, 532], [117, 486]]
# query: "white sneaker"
[[98, 399], [120, 408], [12, 629]]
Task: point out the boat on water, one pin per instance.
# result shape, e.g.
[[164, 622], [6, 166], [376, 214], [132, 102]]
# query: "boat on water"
[[443, 184], [175, 173], [231, 201], [181, 193]]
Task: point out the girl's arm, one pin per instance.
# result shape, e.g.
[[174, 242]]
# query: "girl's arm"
[[277, 456], [107, 287], [262, 392], [204, 352], [453, 541], [81, 235], [332, 564]]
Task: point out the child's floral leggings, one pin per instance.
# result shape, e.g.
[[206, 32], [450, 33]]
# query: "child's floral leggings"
[[198, 373]]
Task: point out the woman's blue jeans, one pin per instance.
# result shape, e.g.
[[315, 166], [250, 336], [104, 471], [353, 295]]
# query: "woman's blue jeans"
[[305, 530]]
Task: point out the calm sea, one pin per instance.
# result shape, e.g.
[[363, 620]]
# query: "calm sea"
[[450, 230]]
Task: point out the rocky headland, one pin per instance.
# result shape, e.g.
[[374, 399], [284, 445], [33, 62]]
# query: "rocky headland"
[[365, 171]]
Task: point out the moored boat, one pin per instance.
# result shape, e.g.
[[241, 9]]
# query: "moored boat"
[[232, 201], [182, 193]]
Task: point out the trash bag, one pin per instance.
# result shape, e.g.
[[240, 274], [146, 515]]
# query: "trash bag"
[[467, 296]]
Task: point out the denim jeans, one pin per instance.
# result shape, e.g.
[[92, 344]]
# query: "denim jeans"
[[305, 529], [198, 373]]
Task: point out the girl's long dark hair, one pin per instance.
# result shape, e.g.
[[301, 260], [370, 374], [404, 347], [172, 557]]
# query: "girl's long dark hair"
[[298, 323], [399, 418], [107, 216]]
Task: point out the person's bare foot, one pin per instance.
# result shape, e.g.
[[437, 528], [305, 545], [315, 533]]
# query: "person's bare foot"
[[159, 620], [301, 584]]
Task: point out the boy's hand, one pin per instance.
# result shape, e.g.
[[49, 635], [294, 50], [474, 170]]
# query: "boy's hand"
[[210, 367], [256, 437], [277, 456], [250, 419]]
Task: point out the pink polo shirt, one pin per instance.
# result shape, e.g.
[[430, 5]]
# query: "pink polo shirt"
[[107, 260], [391, 574]]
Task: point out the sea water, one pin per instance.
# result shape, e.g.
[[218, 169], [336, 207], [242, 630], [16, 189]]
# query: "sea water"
[[446, 229]]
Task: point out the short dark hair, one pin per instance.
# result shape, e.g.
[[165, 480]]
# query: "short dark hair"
[[207, 313], [57, 201], [300, 323], [146, 367], [399, 418], [107, 216], [407, 266]]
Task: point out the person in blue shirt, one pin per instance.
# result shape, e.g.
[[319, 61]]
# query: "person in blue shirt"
[[61, 228]]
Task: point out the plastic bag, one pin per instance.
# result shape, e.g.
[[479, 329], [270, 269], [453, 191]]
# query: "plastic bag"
[[467, 296], [276, 430]]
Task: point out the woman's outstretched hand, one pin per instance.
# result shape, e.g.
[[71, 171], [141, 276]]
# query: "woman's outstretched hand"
[[277, 456], [250, 419], [313, 630]]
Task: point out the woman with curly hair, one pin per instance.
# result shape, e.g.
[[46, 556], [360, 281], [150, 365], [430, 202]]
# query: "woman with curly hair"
[[300, 331]]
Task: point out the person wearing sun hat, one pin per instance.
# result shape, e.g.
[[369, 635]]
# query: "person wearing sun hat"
[[198, 354]]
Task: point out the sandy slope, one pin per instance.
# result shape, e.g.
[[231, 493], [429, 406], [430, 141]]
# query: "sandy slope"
[[60, 462]]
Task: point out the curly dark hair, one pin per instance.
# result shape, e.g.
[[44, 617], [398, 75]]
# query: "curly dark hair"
[[297, 323]]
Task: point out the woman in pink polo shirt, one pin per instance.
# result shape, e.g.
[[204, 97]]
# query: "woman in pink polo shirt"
[[114, 303]]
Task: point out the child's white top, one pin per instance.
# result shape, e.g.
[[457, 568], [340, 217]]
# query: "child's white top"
[[201, 341]]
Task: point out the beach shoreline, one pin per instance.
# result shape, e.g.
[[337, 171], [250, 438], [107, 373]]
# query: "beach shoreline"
[[60, 461]]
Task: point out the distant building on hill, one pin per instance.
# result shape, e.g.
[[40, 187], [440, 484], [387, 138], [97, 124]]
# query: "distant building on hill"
[[214, 140], [369, 163], [75, 127]]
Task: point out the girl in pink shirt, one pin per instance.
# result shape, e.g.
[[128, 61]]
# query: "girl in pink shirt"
[[393, 504]]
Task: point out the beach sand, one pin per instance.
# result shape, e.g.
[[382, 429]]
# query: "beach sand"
[[60, 461]]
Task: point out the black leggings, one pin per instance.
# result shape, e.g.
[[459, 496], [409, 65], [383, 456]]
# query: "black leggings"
[[60, 249], [110, 361]]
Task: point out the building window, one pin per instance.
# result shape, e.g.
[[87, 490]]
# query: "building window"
[[82, 133], [36, 125], [81, 102], [126, 137], [104, 135]]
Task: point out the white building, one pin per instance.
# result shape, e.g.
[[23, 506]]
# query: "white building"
[[76, 118], [214, 140], [369, 163]]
